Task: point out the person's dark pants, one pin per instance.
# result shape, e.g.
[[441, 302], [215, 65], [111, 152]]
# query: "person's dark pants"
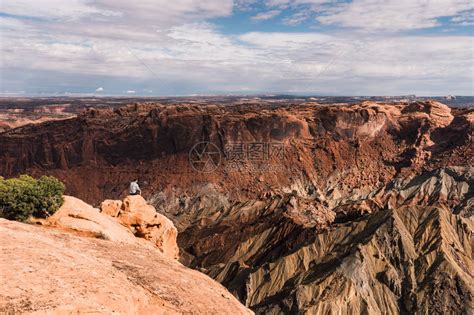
[[135, 193]]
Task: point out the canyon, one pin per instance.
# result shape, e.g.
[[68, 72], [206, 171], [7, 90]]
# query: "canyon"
[[309, 208]]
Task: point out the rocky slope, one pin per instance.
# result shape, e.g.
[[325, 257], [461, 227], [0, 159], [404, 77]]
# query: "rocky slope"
[[410, 260], [369, 210], [398, 249], [83, 262]]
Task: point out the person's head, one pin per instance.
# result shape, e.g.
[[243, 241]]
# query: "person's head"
[[136, 180]]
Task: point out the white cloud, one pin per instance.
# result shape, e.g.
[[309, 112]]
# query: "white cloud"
[[262, 16], [8, 24], [305, 5], [52, 9], [147, 45], [376, 15], [99, 89], [200, 55], [244, 5], [297, 18], [393, 15], [276, 3], [143, 15], [464, 19], [285, 40]]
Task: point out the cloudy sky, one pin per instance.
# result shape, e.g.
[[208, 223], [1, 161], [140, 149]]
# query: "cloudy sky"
[[182, 47]]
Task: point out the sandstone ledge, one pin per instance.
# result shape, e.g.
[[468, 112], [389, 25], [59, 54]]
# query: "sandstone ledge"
[[47, 271]]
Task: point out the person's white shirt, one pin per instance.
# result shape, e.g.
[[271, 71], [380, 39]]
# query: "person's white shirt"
[[134, 188]]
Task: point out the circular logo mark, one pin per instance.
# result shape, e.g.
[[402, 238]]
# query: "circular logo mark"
[[205, 157]]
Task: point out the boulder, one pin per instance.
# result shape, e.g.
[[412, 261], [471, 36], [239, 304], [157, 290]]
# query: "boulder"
[[77, 215], [111, 207], [144, 222]]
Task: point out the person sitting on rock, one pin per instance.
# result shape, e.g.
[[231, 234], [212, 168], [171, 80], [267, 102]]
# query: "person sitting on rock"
[[134, 189]]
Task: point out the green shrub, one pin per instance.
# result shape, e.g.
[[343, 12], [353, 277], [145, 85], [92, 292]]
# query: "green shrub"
[[25, 197]]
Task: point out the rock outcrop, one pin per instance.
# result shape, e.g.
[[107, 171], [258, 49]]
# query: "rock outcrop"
[[120, 221], [48, 271], [447, 187], [81, 217], [144, 222]]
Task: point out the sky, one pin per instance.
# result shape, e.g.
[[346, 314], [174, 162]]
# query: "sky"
[[203, 47]]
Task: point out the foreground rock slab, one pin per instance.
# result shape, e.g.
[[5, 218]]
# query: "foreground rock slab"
[[47, 271]]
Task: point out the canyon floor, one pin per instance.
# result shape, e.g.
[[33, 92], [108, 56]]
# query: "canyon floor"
[[301, 207]]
